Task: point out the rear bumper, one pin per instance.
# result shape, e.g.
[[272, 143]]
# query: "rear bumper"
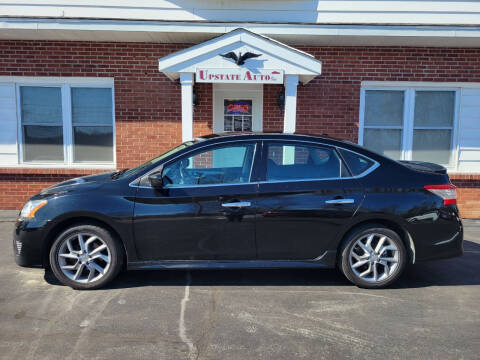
[[440, 239], [28, 241], [445, 249]]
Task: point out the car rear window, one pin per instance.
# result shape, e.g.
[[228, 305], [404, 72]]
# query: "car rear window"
[[357, 164]]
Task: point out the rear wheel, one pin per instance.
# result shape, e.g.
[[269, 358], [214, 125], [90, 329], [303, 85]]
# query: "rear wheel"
[[373, 257], [85, 256]]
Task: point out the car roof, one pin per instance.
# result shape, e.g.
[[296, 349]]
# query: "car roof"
[[276, 135], [321, 139]]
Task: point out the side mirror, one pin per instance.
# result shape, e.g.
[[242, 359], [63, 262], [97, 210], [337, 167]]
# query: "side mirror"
[[156, 180]]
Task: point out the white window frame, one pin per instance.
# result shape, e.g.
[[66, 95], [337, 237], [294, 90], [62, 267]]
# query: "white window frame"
[[65, 85], [223, 92], [407, 127]]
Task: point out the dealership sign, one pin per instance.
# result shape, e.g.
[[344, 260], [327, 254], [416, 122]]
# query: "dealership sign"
[[240, 75]]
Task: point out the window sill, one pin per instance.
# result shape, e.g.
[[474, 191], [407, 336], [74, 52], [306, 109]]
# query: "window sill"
[[84, 166], [54, 170]]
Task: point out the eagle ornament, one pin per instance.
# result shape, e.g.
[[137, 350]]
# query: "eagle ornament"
[[240, 58]]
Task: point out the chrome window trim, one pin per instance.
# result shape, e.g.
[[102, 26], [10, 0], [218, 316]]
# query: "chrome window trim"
[[198, 186], [375, 165], [256, 141]]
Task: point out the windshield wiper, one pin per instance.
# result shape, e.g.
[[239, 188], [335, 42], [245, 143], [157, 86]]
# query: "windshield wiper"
[[117, 174]]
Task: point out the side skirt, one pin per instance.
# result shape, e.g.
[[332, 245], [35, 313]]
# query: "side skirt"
[[327, 260]]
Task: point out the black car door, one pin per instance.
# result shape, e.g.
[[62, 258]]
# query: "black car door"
[[305, 196], [205, 210]]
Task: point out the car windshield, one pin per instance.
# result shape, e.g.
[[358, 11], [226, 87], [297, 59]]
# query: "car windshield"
[[155, 160]]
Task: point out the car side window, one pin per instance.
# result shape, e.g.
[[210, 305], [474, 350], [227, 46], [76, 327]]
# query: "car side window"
[[303, 162], [357, 164], [228, 164]]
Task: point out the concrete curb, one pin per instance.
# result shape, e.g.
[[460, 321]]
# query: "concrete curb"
[[8, 215], [471, 222]]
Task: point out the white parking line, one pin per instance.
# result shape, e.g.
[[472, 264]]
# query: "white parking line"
[[192, 349]]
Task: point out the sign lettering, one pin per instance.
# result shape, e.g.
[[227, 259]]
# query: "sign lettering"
[[240, 75]]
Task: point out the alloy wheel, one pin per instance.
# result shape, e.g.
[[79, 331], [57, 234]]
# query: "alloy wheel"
[[374, 257], [84, 257]]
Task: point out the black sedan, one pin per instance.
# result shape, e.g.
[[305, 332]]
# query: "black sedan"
[[245, 201]]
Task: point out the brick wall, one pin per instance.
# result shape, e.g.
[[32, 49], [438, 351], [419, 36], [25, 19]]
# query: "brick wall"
[[148, 105], [468, 194], [272, 113], [203, 112], [17, 185]]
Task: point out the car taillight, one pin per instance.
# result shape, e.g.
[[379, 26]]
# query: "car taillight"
[[447, 192]]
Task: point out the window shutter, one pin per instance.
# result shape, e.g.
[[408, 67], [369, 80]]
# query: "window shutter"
[[8, 125], [469, 131]]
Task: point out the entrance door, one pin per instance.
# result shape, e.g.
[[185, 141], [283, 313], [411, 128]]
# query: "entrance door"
[[237, 107]]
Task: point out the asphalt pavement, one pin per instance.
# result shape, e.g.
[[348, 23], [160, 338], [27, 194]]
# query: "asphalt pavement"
[[432, 313]]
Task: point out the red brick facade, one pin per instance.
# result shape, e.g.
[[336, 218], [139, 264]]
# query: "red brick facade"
[[148, 108]]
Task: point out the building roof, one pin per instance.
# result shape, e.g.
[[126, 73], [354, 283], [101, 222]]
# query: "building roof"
[[274, 55]]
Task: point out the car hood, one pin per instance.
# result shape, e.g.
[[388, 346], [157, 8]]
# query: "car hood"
[[80, 183]]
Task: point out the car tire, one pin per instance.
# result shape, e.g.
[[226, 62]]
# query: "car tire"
[[370, 265], [88, 266]]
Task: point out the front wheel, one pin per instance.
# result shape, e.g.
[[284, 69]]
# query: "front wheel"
[[85, 256], [373, 257]]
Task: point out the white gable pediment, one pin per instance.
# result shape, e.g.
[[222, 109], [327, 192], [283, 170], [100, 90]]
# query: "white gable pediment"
[[274, 55]]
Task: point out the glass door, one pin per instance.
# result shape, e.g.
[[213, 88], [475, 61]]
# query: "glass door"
[[237, 107], [237, 115]]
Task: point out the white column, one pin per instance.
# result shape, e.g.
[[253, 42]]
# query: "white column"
[[290, 114], [186, 80]]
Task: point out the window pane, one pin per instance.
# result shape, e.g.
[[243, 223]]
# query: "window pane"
[[247, 123], [222, 165], [42, 143], [384, 141], [91, 106], [227, 123], [432, 145], [232, 156], [237, 115], [434, 108], [384, 107], [41, 105], [356, 163], [295, 162], [93, 143], [237, 107], [237, 123]]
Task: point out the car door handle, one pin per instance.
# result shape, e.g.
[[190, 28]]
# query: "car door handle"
[[340, 201], [238, 204]]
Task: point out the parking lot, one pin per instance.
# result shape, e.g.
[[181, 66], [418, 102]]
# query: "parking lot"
[[432, 313]]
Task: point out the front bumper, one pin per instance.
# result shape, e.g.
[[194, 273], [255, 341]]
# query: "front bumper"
[[28, 243]]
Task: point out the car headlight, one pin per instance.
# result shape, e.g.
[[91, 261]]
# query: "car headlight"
[[31, 207]]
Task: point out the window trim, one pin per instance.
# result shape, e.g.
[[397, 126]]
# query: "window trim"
[[65, 85], [335, 148], [408, 117], [222, 92], [135, 183]]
